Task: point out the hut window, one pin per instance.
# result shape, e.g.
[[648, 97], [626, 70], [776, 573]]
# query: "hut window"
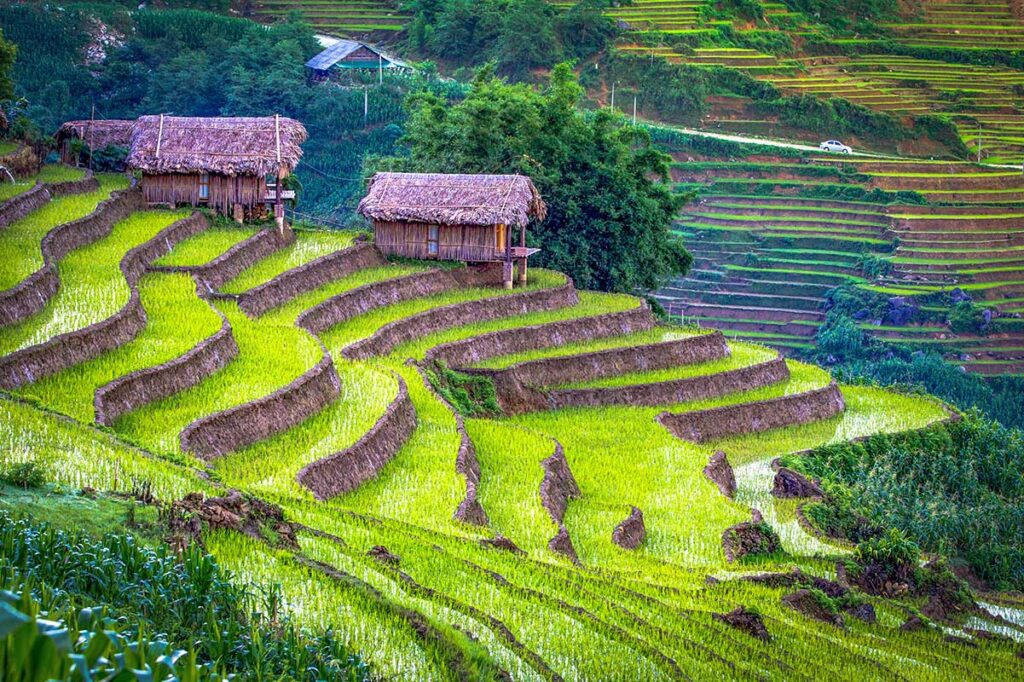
[[204, 186], [499, 236], [432, 233]]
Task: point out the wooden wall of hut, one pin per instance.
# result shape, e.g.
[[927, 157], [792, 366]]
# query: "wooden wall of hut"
[[225, 191], [67, 156], [471, 243]]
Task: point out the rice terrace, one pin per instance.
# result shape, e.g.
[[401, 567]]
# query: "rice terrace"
[[511, 340]]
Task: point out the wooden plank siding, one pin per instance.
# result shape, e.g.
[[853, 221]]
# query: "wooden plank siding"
[[225, 191], [471, 243]]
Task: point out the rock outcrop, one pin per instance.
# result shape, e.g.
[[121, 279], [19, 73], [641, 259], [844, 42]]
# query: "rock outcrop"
[[789, 483], [746, 621], [750, 537], [719, 472], [806, 603], [631, 532]]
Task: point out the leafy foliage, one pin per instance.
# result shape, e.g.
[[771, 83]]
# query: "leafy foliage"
[[954, 488], [24, 475], [194, 602], [517, 35], [471, 395], [608, 221]]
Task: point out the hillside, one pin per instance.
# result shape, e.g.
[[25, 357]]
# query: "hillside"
[[403, 505], [774, 238]]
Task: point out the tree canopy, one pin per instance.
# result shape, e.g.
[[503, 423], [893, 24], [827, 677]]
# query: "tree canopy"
[[609, 204], [517, 35]]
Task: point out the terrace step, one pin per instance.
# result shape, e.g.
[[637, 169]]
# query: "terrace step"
[[792, 212], [741, 298], [745, 312]]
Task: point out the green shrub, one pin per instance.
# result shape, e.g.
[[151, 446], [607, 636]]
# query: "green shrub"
[[471, 395], [25, 475], [952, 488], [892, 549], [967, 318], [189, 599]]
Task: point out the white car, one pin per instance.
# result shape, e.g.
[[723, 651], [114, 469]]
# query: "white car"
[[834, 146]]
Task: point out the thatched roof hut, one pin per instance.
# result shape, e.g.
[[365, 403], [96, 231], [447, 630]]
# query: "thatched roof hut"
[[454, 217], [223, 146], [98, 134], [453, 199]]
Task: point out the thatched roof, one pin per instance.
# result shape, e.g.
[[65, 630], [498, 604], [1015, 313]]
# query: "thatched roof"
[[228, 146], [453, 199], [99, 134]]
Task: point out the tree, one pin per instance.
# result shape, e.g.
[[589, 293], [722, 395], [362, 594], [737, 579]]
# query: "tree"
[[609, 204], [8, 53]]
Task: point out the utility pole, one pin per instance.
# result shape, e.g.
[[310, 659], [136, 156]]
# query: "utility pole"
[[613, 96], [92, 133], [366, 106], [634, 110], [380, 68]]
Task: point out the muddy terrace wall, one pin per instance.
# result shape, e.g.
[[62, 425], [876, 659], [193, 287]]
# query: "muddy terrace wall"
[[445, 317], [52, 356], [19, 206], [466, 464], [80, 186], [33, 293], [378, 294], [731, 420], [350, 468], [308, 277], [145, 386], [675, 391], [218, 434], [617, 361], [466, 352], [229, 264]]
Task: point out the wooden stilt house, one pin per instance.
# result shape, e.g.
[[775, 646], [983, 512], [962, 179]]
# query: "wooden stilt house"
[[94, 135], [469, 218], [234, 165]]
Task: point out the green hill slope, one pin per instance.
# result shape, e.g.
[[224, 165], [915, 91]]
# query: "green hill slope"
[[394, 467]]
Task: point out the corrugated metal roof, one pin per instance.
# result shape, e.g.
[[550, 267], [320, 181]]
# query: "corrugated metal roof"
[[341, 49]]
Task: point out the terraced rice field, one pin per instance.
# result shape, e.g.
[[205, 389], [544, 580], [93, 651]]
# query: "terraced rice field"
[[767, 256], [453, 606], [978, 99], [966, 24], [340, 17]]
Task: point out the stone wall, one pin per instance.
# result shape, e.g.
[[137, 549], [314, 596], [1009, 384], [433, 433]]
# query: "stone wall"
[[466, 352], [223, 432], [731, 420], [347, 470], [145, 386], [63, 351], [33, 293], [308, 277], [445, 317], [20, 205]]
